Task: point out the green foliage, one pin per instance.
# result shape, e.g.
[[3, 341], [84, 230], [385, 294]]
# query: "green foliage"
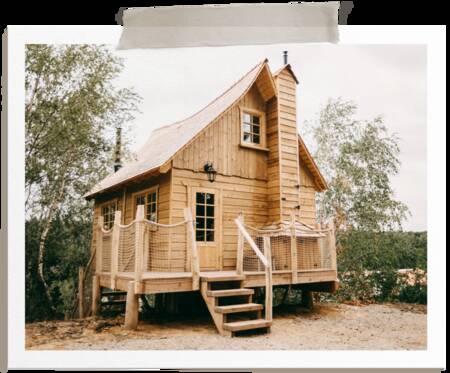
[[68, 248], [71, 111], [358, 157]]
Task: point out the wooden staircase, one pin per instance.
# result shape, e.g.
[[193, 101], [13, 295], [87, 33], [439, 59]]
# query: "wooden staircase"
[[112, 301], [230, 304]]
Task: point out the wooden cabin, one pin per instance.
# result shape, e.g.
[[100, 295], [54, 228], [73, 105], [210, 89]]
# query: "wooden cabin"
[[222, 202]]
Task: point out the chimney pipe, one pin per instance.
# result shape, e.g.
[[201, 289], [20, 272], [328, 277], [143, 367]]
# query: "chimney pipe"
[[118, 150], [285, 57]]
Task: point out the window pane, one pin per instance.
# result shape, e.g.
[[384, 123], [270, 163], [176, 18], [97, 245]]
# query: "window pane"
[[210, 198], [255, 119], [152, 216], [256, 129], [200, 223], [200, 210], [200, 235], [153, 207], [140, 200], [256, 139], [247, 137], [210, 223], [210, 236], [247, 127], [210, 211], [200, 197], [246, 118]]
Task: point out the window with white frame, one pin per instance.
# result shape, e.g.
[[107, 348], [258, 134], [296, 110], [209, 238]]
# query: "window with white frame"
[[150, 201], [251, 128]]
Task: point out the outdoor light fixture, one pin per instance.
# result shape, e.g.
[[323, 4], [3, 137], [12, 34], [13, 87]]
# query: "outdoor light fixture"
[[209, 169]]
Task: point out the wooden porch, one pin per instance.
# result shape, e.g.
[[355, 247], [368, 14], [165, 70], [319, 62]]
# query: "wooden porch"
[[145, 257]]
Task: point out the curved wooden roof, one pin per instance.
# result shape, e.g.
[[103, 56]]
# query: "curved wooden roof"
[[165, 142]]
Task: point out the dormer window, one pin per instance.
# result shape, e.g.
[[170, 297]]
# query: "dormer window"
[[253, 129]]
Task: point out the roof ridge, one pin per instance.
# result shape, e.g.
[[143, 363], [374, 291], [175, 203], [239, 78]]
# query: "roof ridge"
[[214, 100]]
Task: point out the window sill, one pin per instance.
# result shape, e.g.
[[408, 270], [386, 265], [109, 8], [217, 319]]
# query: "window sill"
[[254, 147]]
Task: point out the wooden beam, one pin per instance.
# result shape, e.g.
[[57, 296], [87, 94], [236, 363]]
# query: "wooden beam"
[[294, 262], [96, 289], [115, 248], [99, 246], [139, 248], [240, 250], [194, 254], [81, 292]]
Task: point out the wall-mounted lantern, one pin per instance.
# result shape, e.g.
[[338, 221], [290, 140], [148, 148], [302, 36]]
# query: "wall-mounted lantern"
[[211, 172]]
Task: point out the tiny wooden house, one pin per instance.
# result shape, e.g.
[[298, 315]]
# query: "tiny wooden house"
[[226, 196]]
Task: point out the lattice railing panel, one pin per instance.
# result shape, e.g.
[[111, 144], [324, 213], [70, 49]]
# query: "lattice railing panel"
[[281, 251], [165, 248], [126, 248], [308, 253]]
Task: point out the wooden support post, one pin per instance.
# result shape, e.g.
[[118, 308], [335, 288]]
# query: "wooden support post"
[[81, 292], [307, 299], [96, 291], [139, 248], [240, 249], [294, 262], [332, 245], [115, 249], [269, 296], [322, 247], [99, 246], [195, 265], [132, 308]]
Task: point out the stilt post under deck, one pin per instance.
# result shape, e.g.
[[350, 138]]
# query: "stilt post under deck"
[[81, 292], [132, 307], [307, 299], [95, 294]]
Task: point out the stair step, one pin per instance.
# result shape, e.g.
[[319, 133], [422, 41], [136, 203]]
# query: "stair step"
[[229, 292], [111, 302], [247, 325], [223, 278], [111, 293], [246, 307]]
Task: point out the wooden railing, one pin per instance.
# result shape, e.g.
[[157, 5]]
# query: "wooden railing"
[[144, 246], [265, 259], [294, 247]]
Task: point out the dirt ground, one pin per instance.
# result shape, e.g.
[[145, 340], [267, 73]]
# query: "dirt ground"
[[327, 327]]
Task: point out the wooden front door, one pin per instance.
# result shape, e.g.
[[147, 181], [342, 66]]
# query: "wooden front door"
[[206, 212]]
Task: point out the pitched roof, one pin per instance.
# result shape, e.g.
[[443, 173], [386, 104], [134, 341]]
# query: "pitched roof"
[[311, 164], [165, 141]]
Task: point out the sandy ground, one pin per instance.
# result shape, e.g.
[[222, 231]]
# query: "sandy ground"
[[326, 327]]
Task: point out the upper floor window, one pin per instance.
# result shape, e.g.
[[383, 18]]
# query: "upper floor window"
[[150, 201], [251, 128], [108, 212]]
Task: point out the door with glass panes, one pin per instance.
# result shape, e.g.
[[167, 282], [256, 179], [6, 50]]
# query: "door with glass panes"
[[206, 213]]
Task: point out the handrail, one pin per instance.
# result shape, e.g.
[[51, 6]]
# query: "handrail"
[[252, 244], [166, 225], [264, 258]]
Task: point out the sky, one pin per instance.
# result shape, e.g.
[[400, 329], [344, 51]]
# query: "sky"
[[387, 80]]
